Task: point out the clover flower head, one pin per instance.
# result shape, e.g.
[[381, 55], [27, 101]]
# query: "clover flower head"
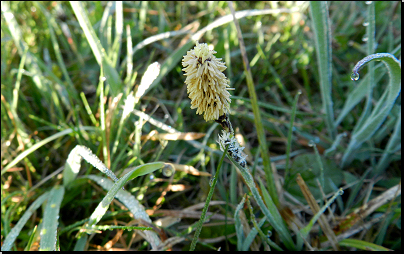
[[206, 83], [234, 149]]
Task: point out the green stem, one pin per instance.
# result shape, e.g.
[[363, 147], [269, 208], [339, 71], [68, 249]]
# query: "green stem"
[[266, 161], [205, 208]]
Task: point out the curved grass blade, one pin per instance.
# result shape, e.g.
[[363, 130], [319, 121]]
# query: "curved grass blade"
[[36, 146], [72, 167], [383, 106], [122, 195]]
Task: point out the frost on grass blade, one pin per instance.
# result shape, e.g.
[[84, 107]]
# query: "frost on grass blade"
[[234, 149], [74, 160]]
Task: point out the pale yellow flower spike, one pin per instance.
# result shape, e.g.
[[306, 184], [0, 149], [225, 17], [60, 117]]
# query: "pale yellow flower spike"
[[206, 83]]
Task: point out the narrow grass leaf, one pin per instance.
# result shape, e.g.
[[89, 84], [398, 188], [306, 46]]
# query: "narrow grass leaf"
[[322, 35], [290, 132], [383, 106], [394, 140], [306, 230], [15, 231], [22, 46], [271, 212], [133, 205], [370, 36], [362, 245], [38, 145], [275, 218], [206, 206], [103, 206], [354, 97], [99, 52], [257, 229], [251, 236], [116, 47], [81, 243], [239, 226], [31, 239], [52, 23], [266, 159], [51, 219]]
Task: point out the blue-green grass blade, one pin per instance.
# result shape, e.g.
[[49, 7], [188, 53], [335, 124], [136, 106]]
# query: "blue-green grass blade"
[[322, 35], [50, 222]]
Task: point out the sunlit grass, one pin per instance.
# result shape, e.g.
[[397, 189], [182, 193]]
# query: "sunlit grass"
[[69, 68]]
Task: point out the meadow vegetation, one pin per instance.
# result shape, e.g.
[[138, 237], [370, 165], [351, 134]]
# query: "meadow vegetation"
[[100, 85]]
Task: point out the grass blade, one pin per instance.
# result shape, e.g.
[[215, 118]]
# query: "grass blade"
[[103, 206], [51, 219], [10, 238], [266, 160], [239, 225], [98, 51], [383, 106], [322, 31], [205, 208], [362, 245]]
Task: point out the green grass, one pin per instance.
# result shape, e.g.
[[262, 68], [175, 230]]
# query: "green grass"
[[67, 70]]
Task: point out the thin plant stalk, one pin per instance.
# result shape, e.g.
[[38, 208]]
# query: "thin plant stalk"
[[205, 208], [290, 132], [266, 160]]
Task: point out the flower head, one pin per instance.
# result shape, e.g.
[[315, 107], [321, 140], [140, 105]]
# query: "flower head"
[[206, 84]]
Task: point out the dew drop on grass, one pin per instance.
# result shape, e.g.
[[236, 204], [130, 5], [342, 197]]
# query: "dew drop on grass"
[[269, 234], [311, 143], [354, 76], [365, 23], [211, 181], [368, 2]]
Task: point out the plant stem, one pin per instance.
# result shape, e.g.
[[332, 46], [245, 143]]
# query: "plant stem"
[[266, 161]]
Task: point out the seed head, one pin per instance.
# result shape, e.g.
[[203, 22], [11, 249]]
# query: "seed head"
[[206, 84]]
